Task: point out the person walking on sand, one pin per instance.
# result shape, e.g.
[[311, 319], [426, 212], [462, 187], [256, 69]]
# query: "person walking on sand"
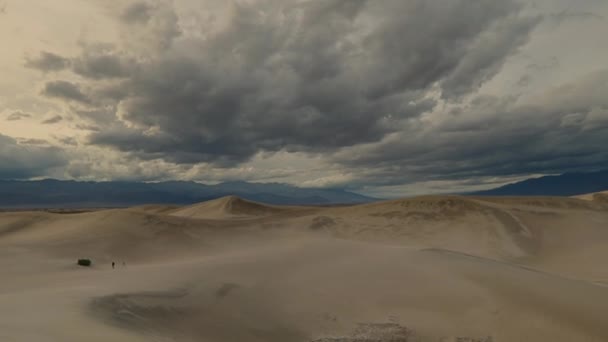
[[113, 264]]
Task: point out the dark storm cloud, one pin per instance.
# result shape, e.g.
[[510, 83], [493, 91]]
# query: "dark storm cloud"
[[70, 141], [52, 120], [313, 77], [96, 116], [137, 12], [27, 161], [65, 90], [28, 141], [96, 62], [47, 62], [85, 127], [486, 56], [15, 116], [99, 61], [567, 130], [151, 25]]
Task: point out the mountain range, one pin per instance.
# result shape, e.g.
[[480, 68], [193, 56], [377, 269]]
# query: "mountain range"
[[51, 193], [567, 184]]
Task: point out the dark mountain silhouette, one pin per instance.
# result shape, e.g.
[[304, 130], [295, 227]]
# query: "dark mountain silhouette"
[[567, 184], [51, 193]]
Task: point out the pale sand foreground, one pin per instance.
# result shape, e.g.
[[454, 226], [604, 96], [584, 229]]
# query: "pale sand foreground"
[[422, 269]]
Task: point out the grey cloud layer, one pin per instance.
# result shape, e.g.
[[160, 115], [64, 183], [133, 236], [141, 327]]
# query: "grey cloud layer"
[[564, 130], [101, 64], [52, 120], [15, 116], [66, 91], [23, 161], [48, 61], [314, 76], [355, 81], [97, 62]]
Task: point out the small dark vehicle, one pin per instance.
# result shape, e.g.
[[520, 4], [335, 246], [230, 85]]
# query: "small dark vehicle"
[[85, 262]]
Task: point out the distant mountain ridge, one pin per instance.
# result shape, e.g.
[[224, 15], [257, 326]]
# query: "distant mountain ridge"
[[51, 193], [567, 184]]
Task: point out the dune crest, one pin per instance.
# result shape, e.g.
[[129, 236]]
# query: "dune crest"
[[229, 207], [599, 197]]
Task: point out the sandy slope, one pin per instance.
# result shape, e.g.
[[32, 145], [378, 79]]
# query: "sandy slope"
[[601, 197], [232, 207], [434, 268]]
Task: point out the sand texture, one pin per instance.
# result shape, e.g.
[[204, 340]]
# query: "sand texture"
[[433, 268]]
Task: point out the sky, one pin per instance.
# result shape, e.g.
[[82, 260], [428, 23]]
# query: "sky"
[[386, 98]]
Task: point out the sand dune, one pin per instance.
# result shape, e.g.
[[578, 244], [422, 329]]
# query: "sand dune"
[[230, 207], [601, 197], [156, 208], [433, 268]]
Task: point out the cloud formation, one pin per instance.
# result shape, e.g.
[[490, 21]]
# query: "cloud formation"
[[65, 90], [363, 93], [563, 130], [18, 115], [302, 77], [52, 120], [47, 61], [28, 160]]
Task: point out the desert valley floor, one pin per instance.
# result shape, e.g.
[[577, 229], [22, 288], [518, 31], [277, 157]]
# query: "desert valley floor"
[[435, 268]]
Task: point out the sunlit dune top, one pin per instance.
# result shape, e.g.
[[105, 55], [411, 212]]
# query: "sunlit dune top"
[[226, 207]]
